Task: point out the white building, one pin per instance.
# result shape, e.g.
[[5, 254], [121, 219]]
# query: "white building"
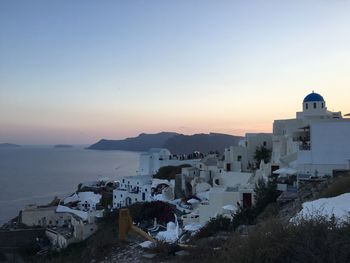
[[86, 201], [132, 189], [314, 143], [155, 158], [329, 148], [63, 224], [219, 198], [33, 215], [141, 188], [75, 231], [224, 189], [241, 158]]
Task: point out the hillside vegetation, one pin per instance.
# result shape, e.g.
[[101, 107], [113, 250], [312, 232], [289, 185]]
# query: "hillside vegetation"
[[169, 172], [275, 240]]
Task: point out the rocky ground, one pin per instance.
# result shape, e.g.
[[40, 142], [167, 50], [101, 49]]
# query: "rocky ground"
[[131, 252]]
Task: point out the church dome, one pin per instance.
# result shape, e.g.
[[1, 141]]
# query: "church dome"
[[313, 97]]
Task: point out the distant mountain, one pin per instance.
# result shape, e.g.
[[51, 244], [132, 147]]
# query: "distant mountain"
[[63, 146], [143, 142], [9, 145], [201, 142], [176, 143]]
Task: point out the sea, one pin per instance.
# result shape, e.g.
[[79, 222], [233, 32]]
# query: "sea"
[[36, 174]]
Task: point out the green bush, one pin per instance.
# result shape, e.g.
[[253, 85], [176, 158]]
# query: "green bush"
[[265, 195], [169, 172], [147, 211], [262, 153]]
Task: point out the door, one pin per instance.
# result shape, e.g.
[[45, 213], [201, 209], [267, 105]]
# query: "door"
[[247, 200]]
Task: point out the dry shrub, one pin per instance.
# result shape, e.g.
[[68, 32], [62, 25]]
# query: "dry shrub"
[[165, 248], [2, 257], [270, 211], [340, 186], [219, 223], [101, 243], [316, 240]]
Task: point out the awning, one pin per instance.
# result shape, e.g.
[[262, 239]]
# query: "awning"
[[193, 201], [285, 170], [230, 207], [287, 159]]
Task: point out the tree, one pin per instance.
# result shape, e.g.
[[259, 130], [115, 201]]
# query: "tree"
[[169, 172], [265, 193], [262, 153]]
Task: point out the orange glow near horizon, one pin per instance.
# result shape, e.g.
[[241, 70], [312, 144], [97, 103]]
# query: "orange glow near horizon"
[[73, 73]]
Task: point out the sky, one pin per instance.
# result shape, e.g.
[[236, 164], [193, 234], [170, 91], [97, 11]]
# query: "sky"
[[76, 71]]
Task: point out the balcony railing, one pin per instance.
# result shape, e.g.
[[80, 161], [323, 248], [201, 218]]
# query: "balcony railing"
[[305, 147]]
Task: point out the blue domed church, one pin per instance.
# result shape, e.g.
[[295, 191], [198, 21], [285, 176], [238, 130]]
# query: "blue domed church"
[[315, 143], [314, 106]]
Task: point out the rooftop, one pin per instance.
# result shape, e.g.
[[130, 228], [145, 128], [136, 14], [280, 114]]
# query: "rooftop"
[[313, 97]]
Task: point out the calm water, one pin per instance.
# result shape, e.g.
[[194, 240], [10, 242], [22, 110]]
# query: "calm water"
[[37, 174]]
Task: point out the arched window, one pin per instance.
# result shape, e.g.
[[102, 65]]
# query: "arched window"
[[307, 106], [315, 105]]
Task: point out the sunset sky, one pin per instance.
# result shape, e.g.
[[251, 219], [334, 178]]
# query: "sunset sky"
[[76, 71]]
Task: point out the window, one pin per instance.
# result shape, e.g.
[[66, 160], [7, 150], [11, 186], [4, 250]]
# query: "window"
[[265, 143], [322, 105], [315, 105], [306, 106], [239, 158]]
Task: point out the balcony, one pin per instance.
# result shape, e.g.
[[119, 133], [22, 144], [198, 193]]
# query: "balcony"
[[306, 146]]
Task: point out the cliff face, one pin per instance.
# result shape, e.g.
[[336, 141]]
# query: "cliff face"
[[201, 142], [143, 142], [176, 143]]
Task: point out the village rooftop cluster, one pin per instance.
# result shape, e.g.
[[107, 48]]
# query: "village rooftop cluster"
[[313, 146]]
